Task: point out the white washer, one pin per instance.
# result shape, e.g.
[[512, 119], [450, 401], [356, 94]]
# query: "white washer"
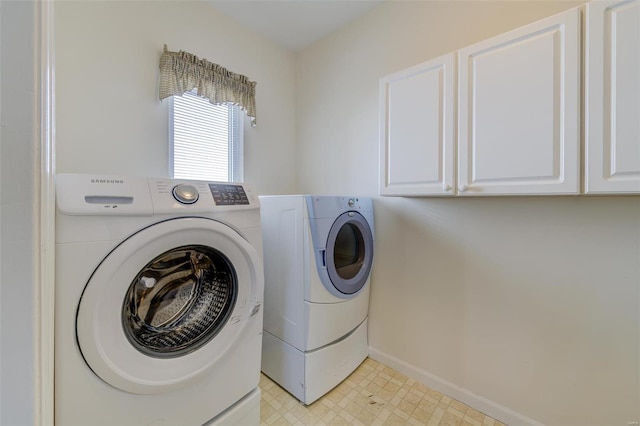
[[318, 253], [159, 287]]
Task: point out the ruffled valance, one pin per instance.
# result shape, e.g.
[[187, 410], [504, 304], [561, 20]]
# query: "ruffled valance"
[[181, 72]]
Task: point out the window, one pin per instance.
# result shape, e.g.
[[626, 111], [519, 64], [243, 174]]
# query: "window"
[[205, 139]]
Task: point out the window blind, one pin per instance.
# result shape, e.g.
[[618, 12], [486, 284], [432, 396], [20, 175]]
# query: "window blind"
[[206, 139]]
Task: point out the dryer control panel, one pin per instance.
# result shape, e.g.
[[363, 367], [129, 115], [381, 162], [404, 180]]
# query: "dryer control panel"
[[326, 206]]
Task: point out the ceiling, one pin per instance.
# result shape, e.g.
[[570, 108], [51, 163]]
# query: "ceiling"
[[294, 24]]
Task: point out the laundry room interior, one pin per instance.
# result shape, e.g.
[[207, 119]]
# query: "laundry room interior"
[[522, 308]]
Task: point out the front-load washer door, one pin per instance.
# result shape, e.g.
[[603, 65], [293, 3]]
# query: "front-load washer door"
[[167, 303], [349, 253]]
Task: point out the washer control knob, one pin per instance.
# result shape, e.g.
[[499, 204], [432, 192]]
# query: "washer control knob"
[[351, 202], [185, 193]]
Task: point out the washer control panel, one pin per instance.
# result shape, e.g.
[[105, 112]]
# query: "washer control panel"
[[200, 196], [86, 194], [226, 194]]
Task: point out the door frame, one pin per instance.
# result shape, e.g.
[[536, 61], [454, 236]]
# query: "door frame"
[[44, 303]]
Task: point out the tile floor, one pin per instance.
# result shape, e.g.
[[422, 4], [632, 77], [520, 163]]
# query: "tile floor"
[[373, 395]]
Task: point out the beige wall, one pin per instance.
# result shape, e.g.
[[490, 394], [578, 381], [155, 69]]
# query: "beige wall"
[[109, 118], [525, 307]]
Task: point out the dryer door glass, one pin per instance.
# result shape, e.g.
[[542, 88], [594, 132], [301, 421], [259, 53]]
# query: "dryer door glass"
[[179, 301], [349, 252]]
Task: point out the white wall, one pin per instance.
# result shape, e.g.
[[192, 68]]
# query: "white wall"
[[109, 118], [527, 306], [19, 176]]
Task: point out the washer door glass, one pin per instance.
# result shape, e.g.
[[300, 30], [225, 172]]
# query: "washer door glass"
[[167, 303], [349, 252], [179, 301]]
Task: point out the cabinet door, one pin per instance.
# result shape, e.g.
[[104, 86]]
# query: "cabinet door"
[[612, 97], [416, 130], [519, 110]]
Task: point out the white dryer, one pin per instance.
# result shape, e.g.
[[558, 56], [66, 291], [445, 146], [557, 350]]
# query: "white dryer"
[[318, 254], [159, 287]]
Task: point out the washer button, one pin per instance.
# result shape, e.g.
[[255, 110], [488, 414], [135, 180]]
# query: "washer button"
[[185, 193]]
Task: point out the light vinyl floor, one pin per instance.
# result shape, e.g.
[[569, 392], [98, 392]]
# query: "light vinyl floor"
[[373, 395]]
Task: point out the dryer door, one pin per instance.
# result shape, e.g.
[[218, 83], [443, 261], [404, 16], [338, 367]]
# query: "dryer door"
[[167, 303], [349, 252]]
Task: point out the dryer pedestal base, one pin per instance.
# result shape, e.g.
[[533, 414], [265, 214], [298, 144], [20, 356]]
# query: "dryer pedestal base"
[[310, 375]]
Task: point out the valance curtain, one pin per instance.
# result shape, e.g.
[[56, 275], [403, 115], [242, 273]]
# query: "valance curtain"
[[181, 72]]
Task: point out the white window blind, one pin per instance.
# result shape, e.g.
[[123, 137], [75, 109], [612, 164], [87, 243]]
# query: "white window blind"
[[206, 139]]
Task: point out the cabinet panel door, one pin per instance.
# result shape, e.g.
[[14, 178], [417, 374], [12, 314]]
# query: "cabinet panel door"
[[519, 110], [416, 129], [612, 89]]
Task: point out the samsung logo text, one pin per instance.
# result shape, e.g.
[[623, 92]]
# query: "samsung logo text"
[[107, 181]]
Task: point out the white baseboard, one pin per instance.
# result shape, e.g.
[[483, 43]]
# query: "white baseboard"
[[454, 391]]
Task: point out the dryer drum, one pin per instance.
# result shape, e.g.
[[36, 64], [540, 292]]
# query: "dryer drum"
[[179, 301]]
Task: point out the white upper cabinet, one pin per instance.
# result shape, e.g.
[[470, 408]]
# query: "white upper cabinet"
[[416, 130], [612, 97], [519, 111]]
